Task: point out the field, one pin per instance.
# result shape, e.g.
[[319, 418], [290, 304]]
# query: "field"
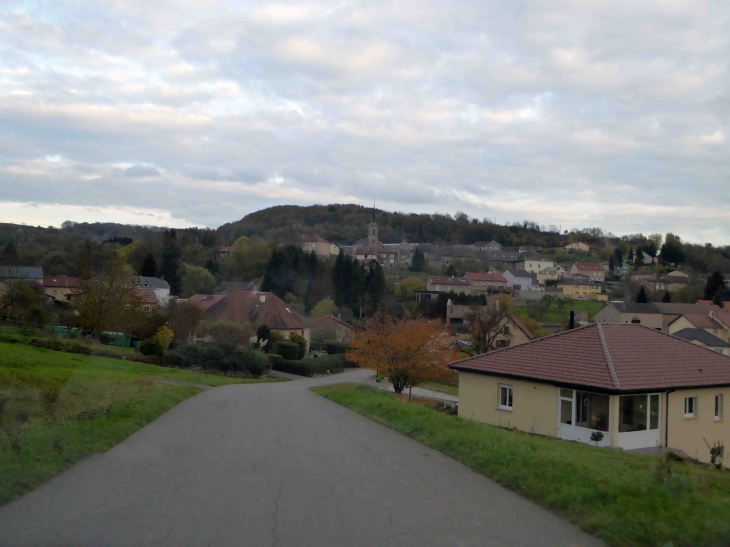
[[627, 500], [56, 408], [556, 314]]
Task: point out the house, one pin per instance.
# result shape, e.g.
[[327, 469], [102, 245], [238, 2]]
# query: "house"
[[9, 274], [491, 246], [655, 315], [703, 338], [159, 286], [581, 289], [511, 331], [221, 251], [60, 287], [257, 308], [627, 385], [592, 270], [699, 321], [530, 249], [503, 260], [642, 275], [486, 283], [334, 329], [445, 255], [313, 243], [520, 280], [678, 273], [645, 258], [147, 298], [550, 274], [577, 248], [448, 284], [232, 286], [535, 263], [371, 248]]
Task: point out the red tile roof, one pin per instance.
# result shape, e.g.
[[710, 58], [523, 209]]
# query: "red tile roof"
[[725, 305], [147, 296], [610, 358], [206, 301], [589, 266], [259, 308], [61, 281], [494, 277], [700, 321], [437, 280], [312, 238]]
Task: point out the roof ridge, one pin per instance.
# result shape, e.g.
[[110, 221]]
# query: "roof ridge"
[[607, 355]]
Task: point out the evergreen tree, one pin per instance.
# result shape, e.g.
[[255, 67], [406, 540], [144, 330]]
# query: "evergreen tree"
[[149, 266], [667, 297], [374, 285], [171, 254], [339, 279], [264, 333], [212, 266], [611, 264], [9, 256], [418, 262], [631, 255], [617, 258], [715, 285], [642, 297]]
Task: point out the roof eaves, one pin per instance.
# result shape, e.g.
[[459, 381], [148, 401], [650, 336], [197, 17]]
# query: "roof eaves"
[[607, 355]]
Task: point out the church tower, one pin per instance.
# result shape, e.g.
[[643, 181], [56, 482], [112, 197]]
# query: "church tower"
[[373, 235]]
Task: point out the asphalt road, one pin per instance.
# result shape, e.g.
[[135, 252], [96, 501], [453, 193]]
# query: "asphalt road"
[[275, 465]]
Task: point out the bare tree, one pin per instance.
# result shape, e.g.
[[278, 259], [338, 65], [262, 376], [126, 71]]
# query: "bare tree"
[[486, 325]]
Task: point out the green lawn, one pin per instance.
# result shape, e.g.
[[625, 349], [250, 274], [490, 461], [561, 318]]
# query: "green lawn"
[[56, 408], [441, 388], [556, 314], [624, 499]]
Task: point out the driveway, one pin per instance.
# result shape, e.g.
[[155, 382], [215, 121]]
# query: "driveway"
[[275, 465]]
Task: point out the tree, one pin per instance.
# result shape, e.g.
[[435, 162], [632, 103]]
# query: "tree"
[[194, 254], [618, 260], [672, 250], [293, 302], [324, 307], [18, 299], [229, 332], [418, 262], [667, 297], [631, 255], [715, 287], [264, 338], [407, 352], [406, 287], [108, 301], [183, 318], [9, 256], [486, 324], [149, 266], [642, 297], [171, 262], [374, 287], [196, 280]]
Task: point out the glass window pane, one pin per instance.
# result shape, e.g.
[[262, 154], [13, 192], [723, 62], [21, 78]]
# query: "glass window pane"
[[654, 411], [592, 410], [632, 413], [567, 393], [566, 412]]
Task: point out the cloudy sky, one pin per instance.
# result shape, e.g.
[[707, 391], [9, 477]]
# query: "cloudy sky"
[[197, 112]]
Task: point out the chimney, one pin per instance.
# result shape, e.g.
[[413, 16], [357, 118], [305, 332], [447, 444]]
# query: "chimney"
[[262, 297], [572, 320]]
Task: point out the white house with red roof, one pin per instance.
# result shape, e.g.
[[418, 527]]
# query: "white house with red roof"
[[618, 385]]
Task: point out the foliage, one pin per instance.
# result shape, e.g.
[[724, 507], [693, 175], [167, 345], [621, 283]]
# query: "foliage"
[[407, 352], [294, 303], [264, 336], [312, 366], [149, 266], [667, 297], [196, 280], [642, 297], [506, 303], [247, 261], [291, 270], [18, 299], [406, 287], [151, 346], [301, 342], [437, 308], [183, 317], [224, 357], [108, 301], [356, 286], [324, 334], [715, 288], [611, 494], [533, 326], [170, 269], [486, 324], [418, 261], [326, 306], [288, 350]]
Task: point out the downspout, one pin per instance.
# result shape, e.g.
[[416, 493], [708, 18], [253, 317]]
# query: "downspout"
[[666, 417]]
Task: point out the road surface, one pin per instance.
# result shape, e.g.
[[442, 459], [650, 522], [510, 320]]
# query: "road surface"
[[275, 465]]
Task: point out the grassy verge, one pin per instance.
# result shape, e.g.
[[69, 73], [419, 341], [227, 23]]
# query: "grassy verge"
[[441, 388], [56, 408], [625, 499], [556, 314]]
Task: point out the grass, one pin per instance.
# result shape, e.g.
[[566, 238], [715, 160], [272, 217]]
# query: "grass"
[[555, 314], [441, 388], [56, 408], [627, 500]]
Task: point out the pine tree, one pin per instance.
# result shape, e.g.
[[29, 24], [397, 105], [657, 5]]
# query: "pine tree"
[[667, 297], [171, 254], [374, 285], [617, 258], [642, 297], [149, 266], [715, 284], [418, 263], [631, 255]]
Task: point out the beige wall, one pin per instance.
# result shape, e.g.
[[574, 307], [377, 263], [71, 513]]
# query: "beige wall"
[[683, 323], [609, 314], [59, 293], [535, 405], [686, 434]]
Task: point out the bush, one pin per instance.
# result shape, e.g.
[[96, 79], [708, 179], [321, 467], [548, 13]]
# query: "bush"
[[298, 339], [152, 346], [224, 357], [273, 359], [288, 350], [312, 367], [334, 349]]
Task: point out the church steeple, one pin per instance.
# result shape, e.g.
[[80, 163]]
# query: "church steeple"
[[373, 241]]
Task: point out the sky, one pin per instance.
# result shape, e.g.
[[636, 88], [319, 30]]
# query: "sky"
[[197, 112]]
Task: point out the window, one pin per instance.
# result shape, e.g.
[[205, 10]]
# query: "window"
[[566, 406], [718, 407], [636, 320], [690, 407], [505, 397], [632, 413], [502, 343], [505, 330], [591, 410]]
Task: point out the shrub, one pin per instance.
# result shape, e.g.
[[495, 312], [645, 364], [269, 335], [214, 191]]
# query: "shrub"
[[151, 346], [333, 349], [223, 357], [298, 339], [274, 358], [312, 367], [263, 334], [288, 350]]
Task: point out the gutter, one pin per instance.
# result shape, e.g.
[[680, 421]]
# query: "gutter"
[[666, 417]]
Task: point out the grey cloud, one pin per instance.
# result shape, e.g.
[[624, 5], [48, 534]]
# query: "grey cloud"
[[141, 171]]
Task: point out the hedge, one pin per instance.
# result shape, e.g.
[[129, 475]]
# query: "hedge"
[[223, 357], [312, 366], [288, 350]]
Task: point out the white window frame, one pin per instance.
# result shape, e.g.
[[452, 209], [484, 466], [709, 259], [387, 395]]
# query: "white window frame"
[[692, 414], [510, 397], [719, 404]]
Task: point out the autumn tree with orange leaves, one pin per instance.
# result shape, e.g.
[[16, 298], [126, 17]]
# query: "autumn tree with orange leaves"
[[408, 352]]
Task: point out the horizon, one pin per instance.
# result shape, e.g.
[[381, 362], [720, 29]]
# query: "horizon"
[[603, 114]]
